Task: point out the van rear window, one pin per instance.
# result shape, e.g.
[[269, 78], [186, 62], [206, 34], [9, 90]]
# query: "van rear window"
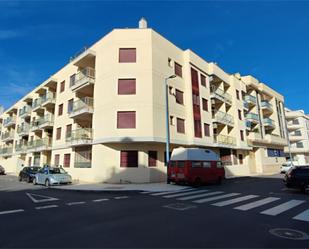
[[196, 164], [172, 164], [180, 164], [206, 164]]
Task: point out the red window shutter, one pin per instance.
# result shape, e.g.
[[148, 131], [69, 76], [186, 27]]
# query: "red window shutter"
[[70, 105], [179, 97], [180, 125], [206, 130], [58, 134], [66, 160], [126, 120], [127, 55], [194, 79], [178, 69], [60, 110], [62, 86], [57, 159], [205, 104], [69, 130], [129, 158], [203, 80], [197, 128], [152, 158], [126, 86]]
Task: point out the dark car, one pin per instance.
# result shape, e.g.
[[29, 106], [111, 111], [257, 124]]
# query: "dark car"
[[2, 170], [297, 177], [27, 173]]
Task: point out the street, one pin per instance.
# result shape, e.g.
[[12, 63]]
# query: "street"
[[242, 212]]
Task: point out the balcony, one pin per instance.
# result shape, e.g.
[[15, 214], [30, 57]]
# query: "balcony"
[[220, 95], [80, 137], [295, 138], [253, 118], [25, 111], [42, 144], [7, 151], [44, 122], [83, 81], [36, 105], [82, 108], [10, 121], [223, 118], [275, 139], [250, 100], [269, 123], [292, 126], [48, 100], [21, 148], [266, 107], [23, 130], [224, 139], [7, 136], [246, 105]]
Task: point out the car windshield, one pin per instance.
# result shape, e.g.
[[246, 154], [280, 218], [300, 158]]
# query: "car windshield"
[[34, 169], [57, 171]]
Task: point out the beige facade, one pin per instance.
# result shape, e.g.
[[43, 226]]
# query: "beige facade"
[[298, 129], [102, 116]]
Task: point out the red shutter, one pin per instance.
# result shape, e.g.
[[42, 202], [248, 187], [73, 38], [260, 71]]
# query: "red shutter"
[[60, 110], [129, 158], [203, 80], [57, 159], [206, 130], [205, 104], [179, 97], [197, 128], [127, 55], [180, 125], [126, 120], [58, 134], [178, 69], [62, 86], [66, 160], [152, 158], [126, 86], [69, 130]]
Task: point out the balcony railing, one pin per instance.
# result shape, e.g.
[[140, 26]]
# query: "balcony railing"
[[252, 117], [268, 122], [43, 122], [80, 137], [48, 98], [250, 99], [224, 118], [24, 111], [36, 103], [40, 144], [85, 76], [224, 139], [7, 151], [6, 136], [21, 148], [221, 95], [9, 121], [23, 129], [266, 105], [82, 106]]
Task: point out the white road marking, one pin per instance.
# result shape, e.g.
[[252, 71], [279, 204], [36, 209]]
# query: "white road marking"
[[216, 198], [99, 200], [235, 200], [45, 198], [282, 208], [12, 211], [257, 203], [304, 216], [171, 192], [121, 197], [185, 193], [46, 207], [76, 203], [198, 196]]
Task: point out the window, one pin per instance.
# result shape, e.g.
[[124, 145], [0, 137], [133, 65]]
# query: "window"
[[129, 158], [297, 133], [242, 135], [181, 164], [70, 105], [239, 115], [152, 158], [62, 86], [126, 120], [72, 79], [58, 133], [179, 97], [299, 145], [237, 94], [127, 55], [169, 62], [275, 153], [203, 80], [205, 104], [57, 160], [180, 125], [126, 86], [83, 157], [68, 132], [206, 130], [178, 69], [295, 121], [196, 164], [66, 160], [240, 158], [206, 164], [60, 110], [172, 120]]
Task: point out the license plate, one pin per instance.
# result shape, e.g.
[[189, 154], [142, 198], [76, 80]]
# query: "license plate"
[[173, 175]]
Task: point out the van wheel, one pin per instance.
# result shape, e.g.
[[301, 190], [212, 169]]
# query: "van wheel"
[[47, 183], [197, 182], [219, 180]]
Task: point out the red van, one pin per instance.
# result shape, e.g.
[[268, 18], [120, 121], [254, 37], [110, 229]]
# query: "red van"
[[195, 166]]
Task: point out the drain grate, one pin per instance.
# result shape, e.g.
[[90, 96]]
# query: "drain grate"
[[179, 206], [287, 233]]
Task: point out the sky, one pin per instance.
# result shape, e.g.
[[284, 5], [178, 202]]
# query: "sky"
[[266, 39]]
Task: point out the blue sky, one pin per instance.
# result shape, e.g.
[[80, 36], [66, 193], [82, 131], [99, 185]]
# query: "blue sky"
[[267, 39]]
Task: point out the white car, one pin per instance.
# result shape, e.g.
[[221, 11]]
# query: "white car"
[[51, 176], [286, 166]]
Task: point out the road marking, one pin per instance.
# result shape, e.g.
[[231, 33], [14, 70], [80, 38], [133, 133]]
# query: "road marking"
[[185, 193], [12, 211], [198, 196], [257, 203], [99, 200], [121, 197], [76, 203], [216, 198], [46, 207], [282, 208], [171, 192], [304, 216], [45, 198], [236, 200]]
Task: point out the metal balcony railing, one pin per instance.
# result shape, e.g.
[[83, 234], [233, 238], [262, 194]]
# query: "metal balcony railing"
[[9, 121], [48, 97], [36, 103], [46, 120], [85, 75], [269, 122], [220, 94], [266, 104], [40, 143], [6, 151], [250, 99], [84, 134], [224, 118], [7, 135], [25, 110], [21, 147], [83, 103], [252, 116], [224, 139], [23, 129]]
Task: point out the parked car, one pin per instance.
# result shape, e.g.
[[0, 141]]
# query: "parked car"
[[27, 173], [287, 165], [2, 170], [297, 177], [51, 176]]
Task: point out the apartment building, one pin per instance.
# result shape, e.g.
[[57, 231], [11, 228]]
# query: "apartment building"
[[102, 116], [298, 129]]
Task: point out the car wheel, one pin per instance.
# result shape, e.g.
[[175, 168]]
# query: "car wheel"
[[28, 179], [47, 183], [219, 180], [34, 181], [197, 182]]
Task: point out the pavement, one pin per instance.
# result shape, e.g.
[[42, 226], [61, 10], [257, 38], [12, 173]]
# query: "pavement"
[[248, 212]]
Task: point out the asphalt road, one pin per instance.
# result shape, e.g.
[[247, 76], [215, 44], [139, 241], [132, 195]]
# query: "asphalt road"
[[36, 217]]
